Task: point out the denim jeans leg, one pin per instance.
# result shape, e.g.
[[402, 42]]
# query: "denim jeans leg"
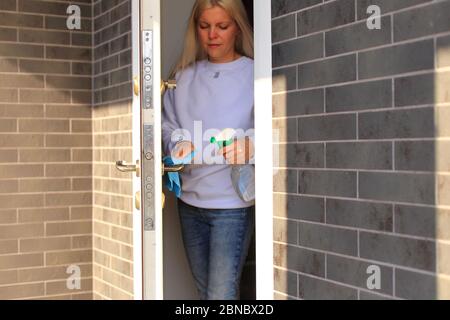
[[195, 233], [230, 237]]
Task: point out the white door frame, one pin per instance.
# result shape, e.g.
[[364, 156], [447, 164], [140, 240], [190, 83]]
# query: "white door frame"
[[263, 152]]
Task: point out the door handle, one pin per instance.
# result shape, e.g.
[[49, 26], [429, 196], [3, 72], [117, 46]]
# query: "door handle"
[[169, 84], [123, 166], [175, 168]]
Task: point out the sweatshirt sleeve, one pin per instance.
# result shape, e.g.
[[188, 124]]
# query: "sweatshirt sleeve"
[[169, 121]]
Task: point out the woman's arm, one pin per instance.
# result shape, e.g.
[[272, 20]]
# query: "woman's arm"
[[169, 122]]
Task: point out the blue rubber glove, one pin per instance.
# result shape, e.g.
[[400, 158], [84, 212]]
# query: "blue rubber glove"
[[172, 179]]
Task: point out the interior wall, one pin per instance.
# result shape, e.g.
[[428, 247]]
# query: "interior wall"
[[45, 150]]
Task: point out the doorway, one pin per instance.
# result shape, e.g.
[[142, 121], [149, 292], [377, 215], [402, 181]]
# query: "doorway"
[[161, 270], [180, 284]]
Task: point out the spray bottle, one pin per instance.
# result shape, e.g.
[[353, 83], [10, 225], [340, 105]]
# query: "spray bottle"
[[242, 175]]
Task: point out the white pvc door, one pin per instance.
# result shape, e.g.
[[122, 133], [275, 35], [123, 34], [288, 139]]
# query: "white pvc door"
[[148, 258]]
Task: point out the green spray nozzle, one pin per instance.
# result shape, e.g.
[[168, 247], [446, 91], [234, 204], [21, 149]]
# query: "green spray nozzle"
[[222, 143]]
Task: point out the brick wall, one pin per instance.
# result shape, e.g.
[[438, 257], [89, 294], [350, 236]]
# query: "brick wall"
[[112, 131], [363, 174], [45, 150]]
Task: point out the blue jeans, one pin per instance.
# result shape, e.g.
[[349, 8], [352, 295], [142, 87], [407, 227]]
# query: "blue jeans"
[[216, 243]]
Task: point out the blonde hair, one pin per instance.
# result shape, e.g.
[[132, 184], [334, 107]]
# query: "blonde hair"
[[193, 51]]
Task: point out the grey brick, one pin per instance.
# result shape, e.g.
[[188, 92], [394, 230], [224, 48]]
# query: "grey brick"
[[110, 63], [82, 39], [41, 36], [280, 7], [285, 231], [415, 155], [443, 189], [422, 221], [385, 5], [329, 15], [286, 129], [417, 286], [125, 25], [82, 97], [8, 5], [308, 155], [413, 123], [414, 253], [283, 28], [108, 33], [8, 34], [285, 281], [316, 289], [326, 72], [414, 90], [359, 96], [442, 87], [328, 238], [298, 207], [53, 8], [10, 65], [121, 43], [285, 181], [121, 75], [81, 68], [354, 272], [396, 59], [68, 82], [101, 81], [293, 51], [21, 20], [123, 91], [48, 67], [101, 51], [329, 183], [359, 155], [402, 187], [284, 79], [329, 127], [442, 54], [357, 37], [125, 58], [421, 22], [121, 11], [442, 119], [21, 50], [298, 259], [363, 295], [358, 214], [68, 53], [102, 21], [298, 103]]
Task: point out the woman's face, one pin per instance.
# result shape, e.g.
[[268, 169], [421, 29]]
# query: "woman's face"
[[217, 33]]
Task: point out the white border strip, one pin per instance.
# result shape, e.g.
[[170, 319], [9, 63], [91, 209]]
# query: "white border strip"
[[136, 136], [263, 150]]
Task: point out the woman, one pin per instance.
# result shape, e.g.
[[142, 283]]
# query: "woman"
[[214, 92]]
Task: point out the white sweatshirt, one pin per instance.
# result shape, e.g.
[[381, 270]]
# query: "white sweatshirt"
[[211, 96]]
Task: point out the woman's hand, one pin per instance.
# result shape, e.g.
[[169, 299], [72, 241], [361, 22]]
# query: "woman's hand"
[[239, 152], [182, 149]]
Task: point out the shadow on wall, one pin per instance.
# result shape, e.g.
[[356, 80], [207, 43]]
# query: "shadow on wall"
[[361, 192]]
